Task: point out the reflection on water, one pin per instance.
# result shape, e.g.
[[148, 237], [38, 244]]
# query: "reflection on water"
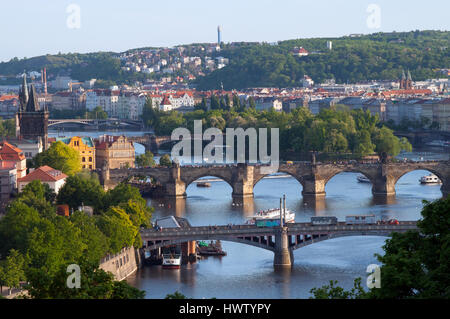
[[247, 272]]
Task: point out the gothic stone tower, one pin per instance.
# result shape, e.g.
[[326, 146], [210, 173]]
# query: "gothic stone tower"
[[31, 121]]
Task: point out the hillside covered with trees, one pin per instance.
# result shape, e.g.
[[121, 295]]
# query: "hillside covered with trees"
[[379, 56]]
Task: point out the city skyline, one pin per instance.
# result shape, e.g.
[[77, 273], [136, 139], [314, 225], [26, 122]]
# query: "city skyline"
[[121, 26]]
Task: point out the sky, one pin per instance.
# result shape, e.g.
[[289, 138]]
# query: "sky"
[[36, 27]]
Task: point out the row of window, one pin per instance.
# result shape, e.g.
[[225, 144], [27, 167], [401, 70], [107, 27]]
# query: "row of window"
[[83, 159], [126, 259]]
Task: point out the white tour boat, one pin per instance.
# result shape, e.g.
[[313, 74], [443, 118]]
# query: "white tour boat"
[[430, 179], [273, 213], [171, 261], [363, 179]]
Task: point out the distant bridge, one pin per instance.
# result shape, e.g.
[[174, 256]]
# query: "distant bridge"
[[280, 240], [95, 122]]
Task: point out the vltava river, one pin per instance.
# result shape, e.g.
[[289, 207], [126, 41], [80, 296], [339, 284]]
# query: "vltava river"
[[246, 271]]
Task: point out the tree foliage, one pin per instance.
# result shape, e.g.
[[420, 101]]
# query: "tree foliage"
[[61, 157], [145, 160], [414, 264]]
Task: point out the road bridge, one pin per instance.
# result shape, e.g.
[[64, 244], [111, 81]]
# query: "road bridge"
[[282, 241]]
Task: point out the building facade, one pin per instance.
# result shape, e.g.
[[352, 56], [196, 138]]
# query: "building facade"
[[115, 152], [85, 147]]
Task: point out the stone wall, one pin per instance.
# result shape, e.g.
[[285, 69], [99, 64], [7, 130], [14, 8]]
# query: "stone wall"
[[122, 264]]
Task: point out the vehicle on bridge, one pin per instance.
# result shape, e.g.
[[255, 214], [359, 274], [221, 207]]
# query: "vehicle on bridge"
[[323, 220], [360, 220]]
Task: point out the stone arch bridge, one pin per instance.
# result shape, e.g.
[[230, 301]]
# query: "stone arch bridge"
[[282, 241], [313, 176]]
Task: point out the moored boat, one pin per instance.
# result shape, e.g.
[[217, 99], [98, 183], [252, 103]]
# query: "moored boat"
[[203, 184], [171, 261], [211, 249], [430, 179], [363, 179]]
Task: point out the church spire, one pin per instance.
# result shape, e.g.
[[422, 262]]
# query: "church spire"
[[23, 94], [33, 104]]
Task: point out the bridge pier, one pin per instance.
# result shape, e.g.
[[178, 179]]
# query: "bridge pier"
[[242, 182], [384, 186], [283, 255], [313, 187]]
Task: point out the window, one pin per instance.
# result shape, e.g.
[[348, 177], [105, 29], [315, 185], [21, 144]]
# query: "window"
[[90, 166], [83, 159], [90, 159]]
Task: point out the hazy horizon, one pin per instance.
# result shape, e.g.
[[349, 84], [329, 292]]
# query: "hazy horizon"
[[47, 27]]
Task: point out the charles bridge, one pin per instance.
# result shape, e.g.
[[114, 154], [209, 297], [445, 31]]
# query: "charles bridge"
[[311, 175], [282, 241]]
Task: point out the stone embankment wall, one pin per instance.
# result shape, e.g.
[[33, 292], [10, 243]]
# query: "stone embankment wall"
[[122, 264]]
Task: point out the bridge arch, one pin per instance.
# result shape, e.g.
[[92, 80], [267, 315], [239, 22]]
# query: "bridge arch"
[[350, 170], [323, 237], [445, 186], [222, 238], [190, 175], [281, 170]]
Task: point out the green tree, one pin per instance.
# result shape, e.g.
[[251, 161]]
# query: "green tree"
[[117, 226], [61, 157], [148, 113], [165, 160], [145, 160], [97, 113], [95, 242], [386, 141], [95, 283], [175, 295], [251, 102], [415, 264], [332, 291], [215, 102], [12, 270], [81, 189], [122, 193], [40, 190]]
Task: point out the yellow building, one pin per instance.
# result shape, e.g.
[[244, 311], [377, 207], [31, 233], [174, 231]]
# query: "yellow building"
[[85, 147]]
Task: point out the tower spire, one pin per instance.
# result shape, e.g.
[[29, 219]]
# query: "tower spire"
[[23, 94]]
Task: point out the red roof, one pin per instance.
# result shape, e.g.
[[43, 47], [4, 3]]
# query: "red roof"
[[105, 143], [44, 174], [10, 152], [8, 97]]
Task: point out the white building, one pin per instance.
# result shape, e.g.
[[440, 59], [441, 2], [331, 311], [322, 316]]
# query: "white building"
[[53, 178]]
